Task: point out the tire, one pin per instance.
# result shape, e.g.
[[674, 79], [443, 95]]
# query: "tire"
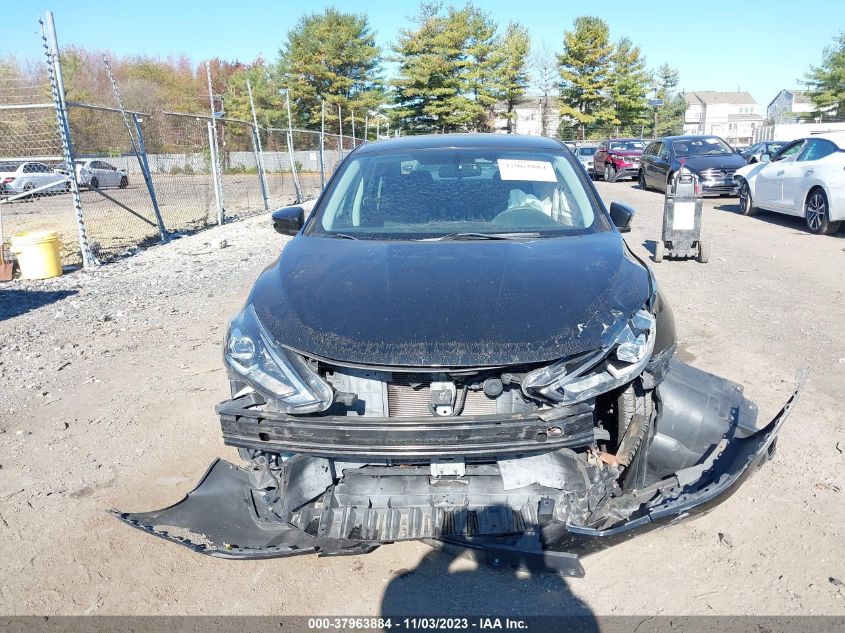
[[641, 180], [30, 196], [633, 401], [124, 182], [669, 178], [94, 183], [703, 252], [817, 214], [609, 172], [746, 203], [658, 251]]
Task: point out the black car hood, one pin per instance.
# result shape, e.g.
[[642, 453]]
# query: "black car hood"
[[449, 304], [698, 163]]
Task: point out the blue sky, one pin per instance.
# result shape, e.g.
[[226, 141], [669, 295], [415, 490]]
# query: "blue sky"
[[755, 45]]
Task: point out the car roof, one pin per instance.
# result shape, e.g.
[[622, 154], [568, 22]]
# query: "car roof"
[[689, 137], [621, 138], [836, 137], [459, 141]]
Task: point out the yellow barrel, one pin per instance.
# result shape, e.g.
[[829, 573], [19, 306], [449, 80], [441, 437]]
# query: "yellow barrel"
[[38, 254]]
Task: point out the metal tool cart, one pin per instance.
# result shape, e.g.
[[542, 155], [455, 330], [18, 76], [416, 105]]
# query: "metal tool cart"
[[682, 220]]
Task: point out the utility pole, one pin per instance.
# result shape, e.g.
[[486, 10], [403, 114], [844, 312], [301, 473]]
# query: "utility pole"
[[322, 143], [340, 129], [215, 150], [353, 128], [290, 149]]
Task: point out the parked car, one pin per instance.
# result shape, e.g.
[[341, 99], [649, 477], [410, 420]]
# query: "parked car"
[[805, 178], [709, 157], [585, 156], [17, 178], [98, 174], [618, 158], [572, 145], [762, 151], [457, 344]]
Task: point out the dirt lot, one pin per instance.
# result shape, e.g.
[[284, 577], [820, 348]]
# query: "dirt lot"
[[110, 378], [186, 203]]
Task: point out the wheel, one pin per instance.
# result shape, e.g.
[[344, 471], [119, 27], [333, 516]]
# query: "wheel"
[[703, 252], [658, 252], [27, 188], [68, 187], [641, 180], [816, 214], [124, 182], [669, 178], [609, 172], [746, 204], [94, 183]]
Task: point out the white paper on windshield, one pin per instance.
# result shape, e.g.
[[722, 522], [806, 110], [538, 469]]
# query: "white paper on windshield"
[[684, 216], [531, 170]]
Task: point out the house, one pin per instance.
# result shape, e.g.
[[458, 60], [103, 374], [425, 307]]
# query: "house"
[[731, 115], [528, 118], [788, 105]]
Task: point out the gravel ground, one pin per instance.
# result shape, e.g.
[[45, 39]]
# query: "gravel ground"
[[110, 378]]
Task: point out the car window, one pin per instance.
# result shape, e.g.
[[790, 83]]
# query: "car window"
[[790, 150], [627, 145], [105, 165], [772, 148], [663, 152], [586, 151], [816, 149], [9, 166], [430, 193], [703, 146], [29, 168]]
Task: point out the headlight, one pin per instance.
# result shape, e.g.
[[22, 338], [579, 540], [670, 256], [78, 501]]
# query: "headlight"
[[587, 375], [282, 376]]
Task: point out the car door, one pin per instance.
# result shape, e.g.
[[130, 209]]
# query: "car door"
[[768, 182], [661, 162], [799, 173], [111, 177]]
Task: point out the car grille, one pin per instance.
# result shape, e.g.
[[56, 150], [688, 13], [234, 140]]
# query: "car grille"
[[405, 401], [717, 174]]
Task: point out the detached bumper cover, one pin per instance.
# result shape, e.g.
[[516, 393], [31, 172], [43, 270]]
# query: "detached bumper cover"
[[222, 516]]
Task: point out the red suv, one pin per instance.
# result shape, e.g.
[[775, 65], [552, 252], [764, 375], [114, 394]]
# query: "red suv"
[[618, 158]]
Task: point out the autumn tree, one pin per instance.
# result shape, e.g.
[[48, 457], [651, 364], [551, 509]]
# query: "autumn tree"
[[332, 57], [827, 80], [585, 73]]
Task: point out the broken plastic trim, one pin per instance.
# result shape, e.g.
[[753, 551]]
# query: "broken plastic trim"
[[219, 517]]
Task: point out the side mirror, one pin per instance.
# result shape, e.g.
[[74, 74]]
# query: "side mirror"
[[288, 220], [621, 214], [765, 158]]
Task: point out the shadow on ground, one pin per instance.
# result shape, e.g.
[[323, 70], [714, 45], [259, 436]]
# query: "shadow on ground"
[[17, 302], [778, 219], [479, 589]]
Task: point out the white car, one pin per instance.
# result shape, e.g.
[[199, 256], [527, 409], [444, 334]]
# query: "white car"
[[40, 178], [805, 178], [585, 157], [98, 174]]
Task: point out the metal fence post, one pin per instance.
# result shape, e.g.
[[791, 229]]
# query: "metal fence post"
[[148, 177], [322, 143], [142, 163], [256, 147], [290, 150], [215, 151], [214, 176], [57, 88], [340, 129]]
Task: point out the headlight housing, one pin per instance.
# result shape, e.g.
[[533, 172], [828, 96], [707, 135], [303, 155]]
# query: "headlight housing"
[[587, 375], [278, 374]]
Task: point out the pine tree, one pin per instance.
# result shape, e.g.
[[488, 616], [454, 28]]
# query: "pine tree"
[[629, 82], [827, 81], [585, 73], [513, 69], [330, 56]]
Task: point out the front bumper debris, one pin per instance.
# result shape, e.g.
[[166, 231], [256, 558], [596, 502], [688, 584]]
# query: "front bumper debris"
[[331, 508]]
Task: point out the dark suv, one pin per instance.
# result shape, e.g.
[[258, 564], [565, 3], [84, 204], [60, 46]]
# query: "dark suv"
[[709, 157], [618, 158]]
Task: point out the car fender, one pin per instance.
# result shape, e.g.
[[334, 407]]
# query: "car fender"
[[836, 210], [748, 173]]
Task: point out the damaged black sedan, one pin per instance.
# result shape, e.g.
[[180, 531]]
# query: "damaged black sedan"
[[459, 345]]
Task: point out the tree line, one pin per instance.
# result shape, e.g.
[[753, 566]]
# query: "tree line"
[[452, 69]]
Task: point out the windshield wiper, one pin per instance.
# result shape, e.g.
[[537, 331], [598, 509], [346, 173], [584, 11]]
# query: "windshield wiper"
[[342, 236], [450, 237]]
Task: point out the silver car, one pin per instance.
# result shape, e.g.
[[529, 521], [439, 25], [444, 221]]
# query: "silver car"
[[31, 176], [585, 157], [98, 174]]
